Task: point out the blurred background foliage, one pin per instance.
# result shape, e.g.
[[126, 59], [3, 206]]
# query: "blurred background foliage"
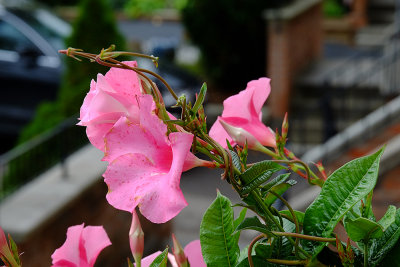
[[231, 36], [93, 29]]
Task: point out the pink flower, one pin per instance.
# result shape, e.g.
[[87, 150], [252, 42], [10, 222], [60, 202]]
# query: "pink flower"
[[112, 96], [244, 111], [146, 165], [82, 246]]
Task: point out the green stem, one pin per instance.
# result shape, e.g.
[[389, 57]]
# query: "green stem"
[[308, 237], [250, 259], [264, 207], [296, 223], [366, 254], [287, 262]]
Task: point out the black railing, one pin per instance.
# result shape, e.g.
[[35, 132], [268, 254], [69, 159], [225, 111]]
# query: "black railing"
[[26, 161]]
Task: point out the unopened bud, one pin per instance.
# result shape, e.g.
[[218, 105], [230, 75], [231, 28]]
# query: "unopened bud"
[[285, 126], [136, 238], [179, 254], [321, 169]]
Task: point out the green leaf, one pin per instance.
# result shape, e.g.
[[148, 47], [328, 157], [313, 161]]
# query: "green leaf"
[[200, 98], [258, 174], [388, 218], [277, 180], [235, 158], [263, 250], [287, 248], [14, 249], [161, 260], [278, 189], [392, 258], [218, 246], [340, 192], [238, 220], [299, 215], [257, 261], [363, 229], [253, 223], [387, 243]]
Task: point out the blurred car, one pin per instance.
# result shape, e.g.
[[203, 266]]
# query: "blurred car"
[[30, 67]]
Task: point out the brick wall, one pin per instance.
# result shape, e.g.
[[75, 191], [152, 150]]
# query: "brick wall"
[[294, 41]]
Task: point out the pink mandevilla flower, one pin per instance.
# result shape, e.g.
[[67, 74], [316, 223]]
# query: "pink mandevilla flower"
[[82, 246], [243, 111], [112, 96], [146, 165]]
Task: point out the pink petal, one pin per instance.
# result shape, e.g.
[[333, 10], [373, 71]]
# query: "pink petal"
[[262, 133], [81, 247], [69, 251], [125, 82], [193, 252], [146, 261], [134, 179], [95, 240], [249, 100]]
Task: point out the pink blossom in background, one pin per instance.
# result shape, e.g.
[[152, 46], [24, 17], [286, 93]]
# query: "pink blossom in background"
[[146, 165], [244, 111], [112, 96], [82, 246]]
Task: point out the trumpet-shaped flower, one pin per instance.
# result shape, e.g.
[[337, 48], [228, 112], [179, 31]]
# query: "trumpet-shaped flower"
[[82, 246], [244, 111], [146, 165], [112, 96]]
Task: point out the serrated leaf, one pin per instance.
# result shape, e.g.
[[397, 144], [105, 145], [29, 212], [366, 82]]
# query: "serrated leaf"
[[363, 229], [218, 246], [340, 192], [277, 180], [161, 260], [299, 215], [253, 223], [389, 242], [278, 189], [388, 218], [235, 159], [258, 174]]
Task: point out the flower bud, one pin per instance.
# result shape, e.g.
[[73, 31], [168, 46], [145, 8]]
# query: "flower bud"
[[285, 127], [136, 238], [179, 254]]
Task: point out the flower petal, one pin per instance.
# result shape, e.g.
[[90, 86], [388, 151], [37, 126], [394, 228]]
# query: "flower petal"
[[95, 240], [193, 252]]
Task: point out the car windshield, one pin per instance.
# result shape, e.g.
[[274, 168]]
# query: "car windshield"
[[53, 29]]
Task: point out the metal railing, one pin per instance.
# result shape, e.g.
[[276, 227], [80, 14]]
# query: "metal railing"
[[26, 161]]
